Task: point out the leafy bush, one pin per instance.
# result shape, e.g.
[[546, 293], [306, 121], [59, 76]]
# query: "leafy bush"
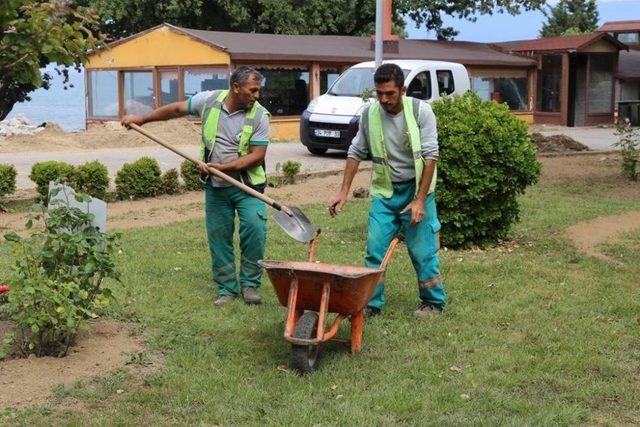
[[486, 160], [8, 176], [170, 183], [57, 281], [629, 145], [290, 170], [44, 172], [139, 179], [91, 178], [191, 176]]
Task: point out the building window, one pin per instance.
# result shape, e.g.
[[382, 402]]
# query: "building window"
[[445, 82], [629, 38], [202, 79], [327, 77], [420, 86], [103, 93], [510, 90], [285, 92], [549, 80], [138, 92], [168, 86], [601, 83]]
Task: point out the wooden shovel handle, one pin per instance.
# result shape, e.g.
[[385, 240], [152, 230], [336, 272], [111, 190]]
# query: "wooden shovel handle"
[[268, 200]]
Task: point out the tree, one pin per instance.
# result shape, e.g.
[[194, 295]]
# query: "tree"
[[431, 12], [345, 17], [35, 33], [570, 17]]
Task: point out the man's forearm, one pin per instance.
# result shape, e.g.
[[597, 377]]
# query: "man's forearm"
[[242, 163], [350, 171], [427, 177]]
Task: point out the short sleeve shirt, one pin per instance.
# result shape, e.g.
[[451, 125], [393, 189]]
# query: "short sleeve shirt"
[[229, 131]]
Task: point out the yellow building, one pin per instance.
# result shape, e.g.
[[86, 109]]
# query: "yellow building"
[[167, 63]]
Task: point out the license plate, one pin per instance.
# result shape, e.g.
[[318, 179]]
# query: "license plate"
[[327, 133]]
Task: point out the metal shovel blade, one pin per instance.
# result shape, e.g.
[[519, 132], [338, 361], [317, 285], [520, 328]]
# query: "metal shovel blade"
[[296, 226]]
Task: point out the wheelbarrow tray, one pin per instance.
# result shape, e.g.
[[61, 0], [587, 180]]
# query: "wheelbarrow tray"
[[350, 287]]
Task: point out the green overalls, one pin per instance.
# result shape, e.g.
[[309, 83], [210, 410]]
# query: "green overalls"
[[389, 199], [222, 203]]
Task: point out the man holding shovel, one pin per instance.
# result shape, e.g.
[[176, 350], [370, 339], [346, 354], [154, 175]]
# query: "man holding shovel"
[[400, 134], [235, 135]]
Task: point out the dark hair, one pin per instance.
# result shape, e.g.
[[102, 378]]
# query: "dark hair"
[[389, 73], [241, 74]]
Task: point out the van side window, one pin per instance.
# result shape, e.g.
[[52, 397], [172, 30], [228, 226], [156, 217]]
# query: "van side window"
[[420, 86], [445, 82]]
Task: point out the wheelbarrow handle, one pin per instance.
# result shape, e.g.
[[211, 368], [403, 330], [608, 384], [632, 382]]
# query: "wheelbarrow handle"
[[390, 250], [268, 200]]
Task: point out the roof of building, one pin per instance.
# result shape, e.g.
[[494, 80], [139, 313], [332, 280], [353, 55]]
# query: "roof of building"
[[629, 65], [620, 26], [340, 49], [560, 43]]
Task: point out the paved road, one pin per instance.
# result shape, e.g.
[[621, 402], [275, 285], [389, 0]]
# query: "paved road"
[[115, 158], [593, 137]]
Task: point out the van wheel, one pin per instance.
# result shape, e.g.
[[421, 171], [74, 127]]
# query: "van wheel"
[[317, 150]]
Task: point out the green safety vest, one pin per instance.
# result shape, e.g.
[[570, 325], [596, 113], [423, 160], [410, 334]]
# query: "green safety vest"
[[381, 177], [210, 117]]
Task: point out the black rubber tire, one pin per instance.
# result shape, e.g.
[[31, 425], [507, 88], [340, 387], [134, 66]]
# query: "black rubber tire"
[[305, 358], [317, 151]]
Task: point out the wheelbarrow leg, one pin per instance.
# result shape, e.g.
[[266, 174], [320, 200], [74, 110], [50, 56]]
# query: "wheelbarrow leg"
[[357, 328]]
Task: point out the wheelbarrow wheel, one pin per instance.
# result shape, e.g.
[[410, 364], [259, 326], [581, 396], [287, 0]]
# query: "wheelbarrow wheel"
[[305, 358]]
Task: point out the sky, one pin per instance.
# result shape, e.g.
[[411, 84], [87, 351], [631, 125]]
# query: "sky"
[[503, 27]]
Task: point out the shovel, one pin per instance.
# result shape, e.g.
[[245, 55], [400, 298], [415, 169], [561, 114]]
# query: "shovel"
[[290, 219]]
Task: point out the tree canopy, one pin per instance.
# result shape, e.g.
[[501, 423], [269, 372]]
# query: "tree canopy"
[[344, 17], [32, 35], [570, 17]]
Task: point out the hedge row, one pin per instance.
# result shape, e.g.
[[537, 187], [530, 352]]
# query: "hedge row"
[[136, 180]]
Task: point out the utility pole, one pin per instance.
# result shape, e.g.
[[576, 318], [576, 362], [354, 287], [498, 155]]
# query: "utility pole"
[[379, 20]]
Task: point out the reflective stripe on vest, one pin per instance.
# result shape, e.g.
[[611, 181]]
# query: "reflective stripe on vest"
[[381, 184], [210, 118]]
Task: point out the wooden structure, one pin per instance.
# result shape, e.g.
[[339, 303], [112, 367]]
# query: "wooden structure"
[[574, 78]]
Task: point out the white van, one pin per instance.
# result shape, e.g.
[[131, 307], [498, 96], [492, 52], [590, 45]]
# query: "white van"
[[331, 120]]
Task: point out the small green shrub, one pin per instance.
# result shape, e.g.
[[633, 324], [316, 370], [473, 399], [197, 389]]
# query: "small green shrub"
[[8, 176], [170, 182], [139, 179], [58, 279], [44, 172], [486, 160], [629, 145], [191, 176], [290, 170], [91, 178]]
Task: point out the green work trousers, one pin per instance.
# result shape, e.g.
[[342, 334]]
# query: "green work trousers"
[[385, 222], [221, 205]]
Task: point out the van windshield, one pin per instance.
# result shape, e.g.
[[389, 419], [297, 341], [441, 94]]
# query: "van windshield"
[[355, 81]]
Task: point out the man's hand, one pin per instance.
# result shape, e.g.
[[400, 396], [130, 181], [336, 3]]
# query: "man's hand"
[[132, 118], [203, 167], [337, 203], [417, 211]]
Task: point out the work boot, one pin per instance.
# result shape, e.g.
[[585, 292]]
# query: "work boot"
[[223, 300], [370, 312], [426, 311], [251, 296]]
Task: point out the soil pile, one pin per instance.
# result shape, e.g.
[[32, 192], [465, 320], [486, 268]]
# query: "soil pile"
[[556, 143]]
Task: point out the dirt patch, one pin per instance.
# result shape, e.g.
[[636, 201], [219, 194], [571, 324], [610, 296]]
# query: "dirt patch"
[[105, 135], [587, 236], [98, 351], [556, 143]]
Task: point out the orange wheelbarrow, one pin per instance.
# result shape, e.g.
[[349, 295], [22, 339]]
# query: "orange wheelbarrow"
[[310, 291]]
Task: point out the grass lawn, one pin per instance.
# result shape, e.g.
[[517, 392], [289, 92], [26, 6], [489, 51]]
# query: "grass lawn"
[[534, 333]]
